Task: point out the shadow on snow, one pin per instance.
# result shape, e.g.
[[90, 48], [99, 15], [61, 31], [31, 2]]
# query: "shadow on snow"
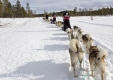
[[41, 70]]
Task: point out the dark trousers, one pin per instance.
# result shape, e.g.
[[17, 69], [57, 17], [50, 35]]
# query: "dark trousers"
[[67, 24], [54, 19], [46, 16]]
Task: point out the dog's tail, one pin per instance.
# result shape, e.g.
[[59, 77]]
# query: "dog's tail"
[[74, 45], [103, 53]]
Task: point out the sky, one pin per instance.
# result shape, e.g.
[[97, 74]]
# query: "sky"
[[60, 5]]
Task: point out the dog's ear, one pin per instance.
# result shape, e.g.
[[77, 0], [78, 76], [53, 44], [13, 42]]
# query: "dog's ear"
[[103, 57], [84, 37]]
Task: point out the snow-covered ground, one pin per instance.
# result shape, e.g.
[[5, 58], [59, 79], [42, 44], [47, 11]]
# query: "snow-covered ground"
[[32, 49]]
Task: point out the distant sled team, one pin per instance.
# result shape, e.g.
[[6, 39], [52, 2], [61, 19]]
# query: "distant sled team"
[[97, 54]]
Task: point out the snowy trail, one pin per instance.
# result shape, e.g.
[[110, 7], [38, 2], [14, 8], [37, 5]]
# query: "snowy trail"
[[33, 49], [37, 50]]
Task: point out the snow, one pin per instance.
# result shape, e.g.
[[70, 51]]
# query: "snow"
[[32, 49]]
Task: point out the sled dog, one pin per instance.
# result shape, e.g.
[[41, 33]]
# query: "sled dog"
[[75, 32], [80, 33], [59, 23], [76, 54], [69, 32], [97, 60], [87, 42]]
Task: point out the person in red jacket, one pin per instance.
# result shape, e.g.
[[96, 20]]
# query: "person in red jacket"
[[66, 18], [54, 18]]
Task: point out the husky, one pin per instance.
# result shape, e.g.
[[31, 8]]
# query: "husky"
[[75, 32], [59, 23], [80, 33], [87, 42], [56, 23], [97, 60], [69, 32], [44, 18], [76, 54]]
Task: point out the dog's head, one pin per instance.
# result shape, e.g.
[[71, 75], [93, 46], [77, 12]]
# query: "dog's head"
[[75, 27], [84, 37], [62, 22], [80, 32], [94, 52]]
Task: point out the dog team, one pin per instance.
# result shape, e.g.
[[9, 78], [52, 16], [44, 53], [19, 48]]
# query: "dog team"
[[97, 54]]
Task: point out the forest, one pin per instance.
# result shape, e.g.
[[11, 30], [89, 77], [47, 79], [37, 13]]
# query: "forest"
[[83, 12], [7, 10]]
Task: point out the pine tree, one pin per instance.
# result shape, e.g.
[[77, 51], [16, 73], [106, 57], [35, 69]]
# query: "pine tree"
[[14, 10], [24, 14], [75, 11], [28, 10], [110, 10], [1, 11], [85, 11], [5, 8], [9, 10], [18, 9]]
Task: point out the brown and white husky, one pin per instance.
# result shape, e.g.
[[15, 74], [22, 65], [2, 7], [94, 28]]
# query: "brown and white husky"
[[97, 60], [87, 42]]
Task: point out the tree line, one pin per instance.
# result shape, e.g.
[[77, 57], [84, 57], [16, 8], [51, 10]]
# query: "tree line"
[[7, 10], [18, 11], [83, 12]]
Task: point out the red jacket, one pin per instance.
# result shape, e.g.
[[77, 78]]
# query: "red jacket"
[[66, 17], [54, 16]]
